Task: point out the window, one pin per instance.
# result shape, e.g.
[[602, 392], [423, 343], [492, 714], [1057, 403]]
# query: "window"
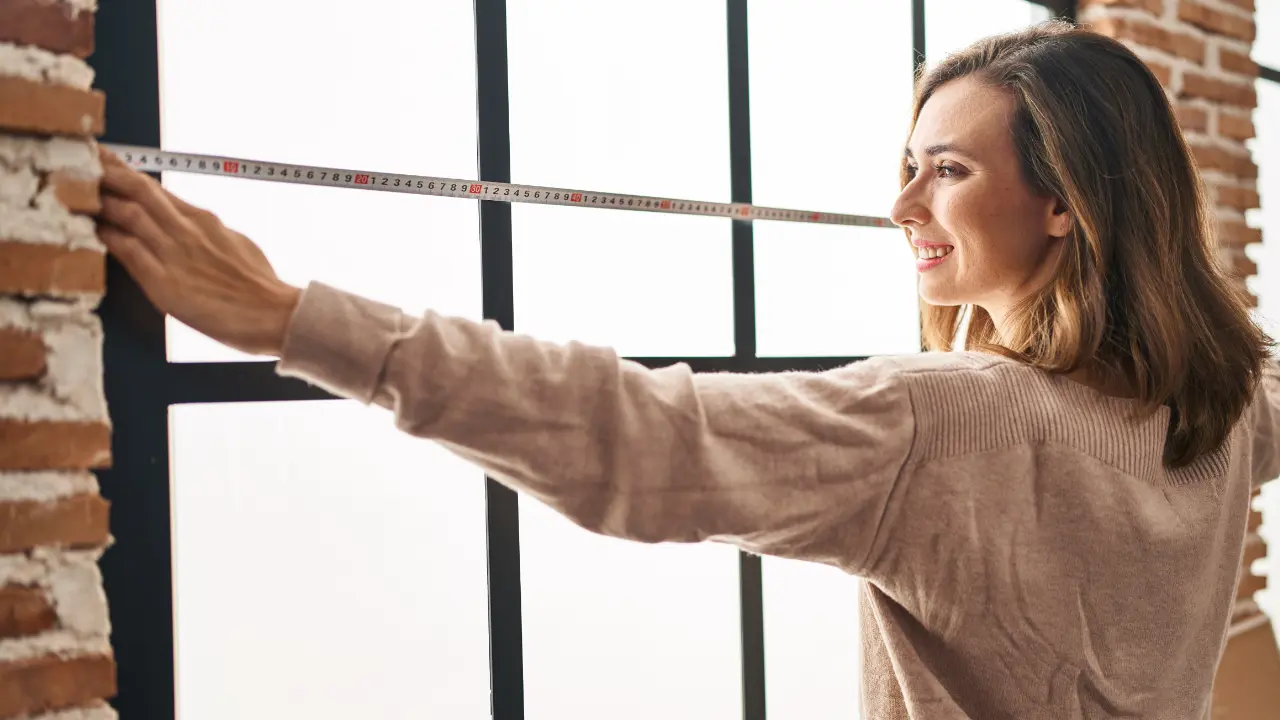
[[282, 552]]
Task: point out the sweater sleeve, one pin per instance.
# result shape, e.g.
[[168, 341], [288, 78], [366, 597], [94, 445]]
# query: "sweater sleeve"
[[1266, 425], [796, 465]]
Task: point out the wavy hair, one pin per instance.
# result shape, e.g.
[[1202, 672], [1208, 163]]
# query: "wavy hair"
[[1138, 295]]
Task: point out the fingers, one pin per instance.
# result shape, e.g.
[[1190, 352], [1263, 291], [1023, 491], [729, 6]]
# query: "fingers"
[[136, 257], [130, 218], [123, 181]]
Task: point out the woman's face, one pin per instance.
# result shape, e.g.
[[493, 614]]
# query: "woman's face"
[[981, 236]]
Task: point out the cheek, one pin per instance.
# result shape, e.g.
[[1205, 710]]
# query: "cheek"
[[994, 226]]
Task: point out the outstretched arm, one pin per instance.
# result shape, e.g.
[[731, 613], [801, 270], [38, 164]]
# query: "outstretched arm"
[[794, 464], [797, 465]]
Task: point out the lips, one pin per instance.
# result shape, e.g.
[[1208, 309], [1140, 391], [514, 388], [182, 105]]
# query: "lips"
[[931, 255]]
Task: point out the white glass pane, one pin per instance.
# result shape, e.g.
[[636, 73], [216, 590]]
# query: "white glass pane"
[[626, 631], [325, 566], [1266, 46], [829, 119], [952, 26], [389, 88], [624, 98], [835, 291], [813, 667]]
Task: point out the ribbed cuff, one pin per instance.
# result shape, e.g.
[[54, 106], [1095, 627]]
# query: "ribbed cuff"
[[339, 341]]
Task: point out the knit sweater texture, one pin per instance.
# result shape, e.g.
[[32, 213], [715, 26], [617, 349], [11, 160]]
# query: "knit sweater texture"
[[1024, 552]]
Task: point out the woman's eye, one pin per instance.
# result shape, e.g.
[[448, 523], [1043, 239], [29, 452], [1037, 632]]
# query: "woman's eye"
[[911, 171], [946, 171]]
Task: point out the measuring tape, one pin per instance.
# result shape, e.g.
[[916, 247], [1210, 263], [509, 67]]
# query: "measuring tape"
[[155, 160]]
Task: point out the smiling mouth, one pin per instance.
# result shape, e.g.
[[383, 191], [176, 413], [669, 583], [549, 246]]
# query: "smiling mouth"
[[928, 258]]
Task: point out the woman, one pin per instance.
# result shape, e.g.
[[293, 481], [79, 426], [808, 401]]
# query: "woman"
[[1050, 522]]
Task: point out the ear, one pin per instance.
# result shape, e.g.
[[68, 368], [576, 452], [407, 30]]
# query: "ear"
[[1058, 219]]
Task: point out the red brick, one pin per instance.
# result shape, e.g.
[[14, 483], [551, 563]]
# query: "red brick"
[[24, 611], [1255, 521], [1242, 4], [22, 355], [76, 521], [1235, 62], [1191, 117], [1150, 34], [1162, 72], [52, 270], [54, 445], [1154, 7], [1234, 233], [1254, 549], [1199, 85], [27, 106], [1213, 157], [55, 683], [1216, 21], [47, 24], [1238, 264], [79, 195], [1238, 198], [1235, 127]]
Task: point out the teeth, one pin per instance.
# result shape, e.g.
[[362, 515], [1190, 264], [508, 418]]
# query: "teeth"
[[926, 253]]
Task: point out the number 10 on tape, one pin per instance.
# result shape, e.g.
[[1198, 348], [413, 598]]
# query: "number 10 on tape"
[[155, 160]]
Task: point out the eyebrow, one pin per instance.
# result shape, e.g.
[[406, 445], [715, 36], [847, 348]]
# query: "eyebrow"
[[938, 149]]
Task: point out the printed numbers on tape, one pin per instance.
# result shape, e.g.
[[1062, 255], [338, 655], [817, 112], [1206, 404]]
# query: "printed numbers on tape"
[[155, 160]]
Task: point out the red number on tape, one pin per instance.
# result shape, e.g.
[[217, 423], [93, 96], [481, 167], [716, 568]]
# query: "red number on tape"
[[666, 204], [474, 189], [362, 179], [744, 212], [230, 166], [813, 216], [576, 197]]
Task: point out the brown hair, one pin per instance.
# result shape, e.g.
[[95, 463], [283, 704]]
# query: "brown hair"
[[1137, 296]]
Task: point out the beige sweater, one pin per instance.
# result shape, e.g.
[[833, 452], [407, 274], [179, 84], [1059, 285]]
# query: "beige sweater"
[[1026, 554]]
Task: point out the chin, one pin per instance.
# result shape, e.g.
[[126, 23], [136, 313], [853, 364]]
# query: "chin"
[[941, 294]]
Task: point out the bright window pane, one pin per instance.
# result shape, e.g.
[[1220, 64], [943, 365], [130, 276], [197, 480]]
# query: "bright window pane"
[[360, 90], [828, 121], [624, 630], [1266, 46], [616, 97], [811, 642], [952, 26], [325, 566]]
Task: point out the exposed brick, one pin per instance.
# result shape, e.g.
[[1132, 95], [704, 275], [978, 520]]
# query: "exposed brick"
[[1242, 4], [1235, 127], [1150, 34], [1216, 21], [28, 106], [24, 611], [1152, 6], [79, 195], [22, 355], [1238, 198], [47, 24], [1238, 264], [1191, 117], [35, 269], [1234, 233], [1212, 157], [1255, 521], [50, 445], [1195, 84], [1235, 62], [1162, 72], [72, 521], [1254, 549], [55, 683]]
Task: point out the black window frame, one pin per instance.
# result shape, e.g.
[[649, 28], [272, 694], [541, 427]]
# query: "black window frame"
[[141, 384]]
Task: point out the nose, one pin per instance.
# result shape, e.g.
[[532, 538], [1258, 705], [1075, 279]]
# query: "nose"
[[911, 208]]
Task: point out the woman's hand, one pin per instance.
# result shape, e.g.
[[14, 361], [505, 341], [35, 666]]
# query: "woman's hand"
[[190, 265]]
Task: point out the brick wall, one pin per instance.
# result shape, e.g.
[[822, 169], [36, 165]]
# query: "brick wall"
[[1200, 51], [55, 657]]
